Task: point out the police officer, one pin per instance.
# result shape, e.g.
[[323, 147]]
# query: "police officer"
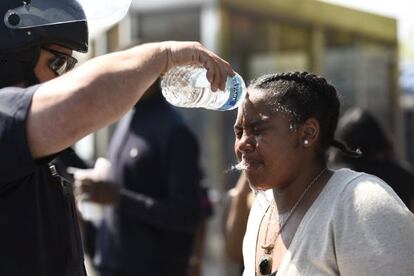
[[44, 110]]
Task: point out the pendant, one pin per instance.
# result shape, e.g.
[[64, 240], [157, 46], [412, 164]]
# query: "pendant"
[[265, 265]]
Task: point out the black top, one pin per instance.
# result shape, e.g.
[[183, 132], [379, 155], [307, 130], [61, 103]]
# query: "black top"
[[154, 159], [39, 233]]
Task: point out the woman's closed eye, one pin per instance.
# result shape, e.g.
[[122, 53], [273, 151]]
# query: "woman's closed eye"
[[257, 130], [238, 132]]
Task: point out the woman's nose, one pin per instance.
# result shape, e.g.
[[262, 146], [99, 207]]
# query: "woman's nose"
[[246, 143]]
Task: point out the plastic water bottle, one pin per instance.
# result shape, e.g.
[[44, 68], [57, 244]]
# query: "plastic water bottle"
[[187, 86]]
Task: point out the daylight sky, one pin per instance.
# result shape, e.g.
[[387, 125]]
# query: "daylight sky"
[[402, 10]]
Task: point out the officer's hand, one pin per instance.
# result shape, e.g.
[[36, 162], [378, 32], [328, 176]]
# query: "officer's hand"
[[183, 53], [100, 192]]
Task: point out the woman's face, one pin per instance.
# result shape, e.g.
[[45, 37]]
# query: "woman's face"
[[266, 143]]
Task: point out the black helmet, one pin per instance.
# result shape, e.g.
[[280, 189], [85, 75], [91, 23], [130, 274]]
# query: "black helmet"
[[28, 23]]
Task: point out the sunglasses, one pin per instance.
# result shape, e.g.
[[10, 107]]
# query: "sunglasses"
[[62, 63]]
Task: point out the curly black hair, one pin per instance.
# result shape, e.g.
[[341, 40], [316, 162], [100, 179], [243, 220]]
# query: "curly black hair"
[[305, 95]]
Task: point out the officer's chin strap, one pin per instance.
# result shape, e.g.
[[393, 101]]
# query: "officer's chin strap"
[[30, 76], [31, 79], [18, 68]]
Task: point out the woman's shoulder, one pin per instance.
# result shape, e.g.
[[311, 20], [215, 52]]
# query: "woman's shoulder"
[[348, 179], [368, 218], [366, 193]]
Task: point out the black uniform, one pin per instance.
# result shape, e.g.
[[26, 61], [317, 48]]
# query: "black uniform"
[[39, 232]]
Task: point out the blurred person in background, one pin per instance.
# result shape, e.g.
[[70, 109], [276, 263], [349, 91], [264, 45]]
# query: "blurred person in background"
[[44, 109], [153, 192], [359, 129], [241, 199], [195, 266], [307, 219]]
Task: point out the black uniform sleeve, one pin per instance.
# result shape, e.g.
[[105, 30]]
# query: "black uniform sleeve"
[[15, 158]]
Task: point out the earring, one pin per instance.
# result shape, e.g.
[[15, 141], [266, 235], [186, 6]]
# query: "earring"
[[306, 142]]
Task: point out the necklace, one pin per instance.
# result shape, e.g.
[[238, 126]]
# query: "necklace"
[[265, 262]]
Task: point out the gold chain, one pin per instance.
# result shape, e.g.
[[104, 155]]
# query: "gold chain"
[[268, 248]]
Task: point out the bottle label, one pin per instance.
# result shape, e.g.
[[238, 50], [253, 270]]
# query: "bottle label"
[[234, 86]]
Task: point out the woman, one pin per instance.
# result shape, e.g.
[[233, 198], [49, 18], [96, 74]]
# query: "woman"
[[311, 220]]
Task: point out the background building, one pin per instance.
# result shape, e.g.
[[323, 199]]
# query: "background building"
[[407, 105]]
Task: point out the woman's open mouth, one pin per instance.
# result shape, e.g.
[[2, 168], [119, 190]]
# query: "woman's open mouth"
[[248, 164]]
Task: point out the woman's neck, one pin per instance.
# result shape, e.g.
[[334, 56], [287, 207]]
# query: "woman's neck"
[[298, 189]]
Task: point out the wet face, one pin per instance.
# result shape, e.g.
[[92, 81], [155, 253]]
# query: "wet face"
[[42, 70], [267, 143]]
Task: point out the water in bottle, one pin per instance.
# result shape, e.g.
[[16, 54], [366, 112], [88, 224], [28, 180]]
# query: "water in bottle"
[[187, 86]]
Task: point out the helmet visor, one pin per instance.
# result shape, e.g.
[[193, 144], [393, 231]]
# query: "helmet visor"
[[36, 13]]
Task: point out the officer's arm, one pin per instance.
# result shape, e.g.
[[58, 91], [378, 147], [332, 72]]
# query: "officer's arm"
[[101, 90]]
